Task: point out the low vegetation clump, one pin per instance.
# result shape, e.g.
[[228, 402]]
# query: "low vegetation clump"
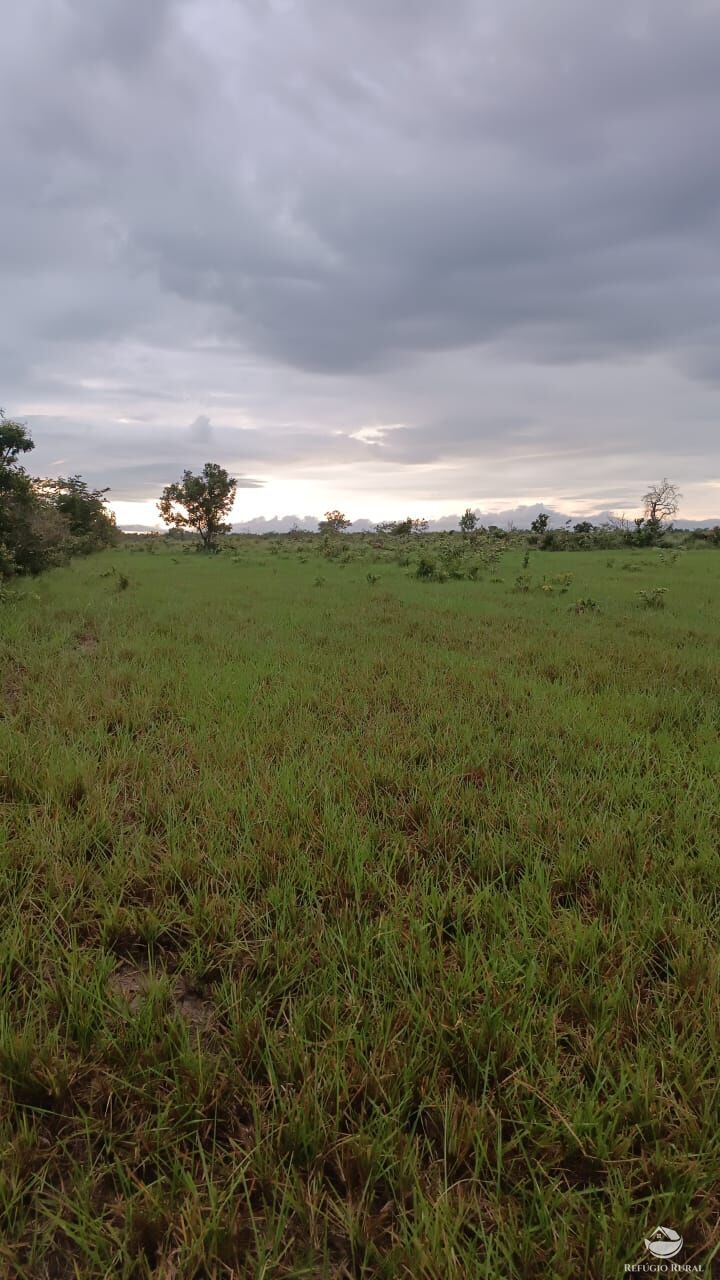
[[653, 598], [586, 605], [363, 931]]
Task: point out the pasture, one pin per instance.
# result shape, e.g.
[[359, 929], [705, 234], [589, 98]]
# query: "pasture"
[[357, 924]]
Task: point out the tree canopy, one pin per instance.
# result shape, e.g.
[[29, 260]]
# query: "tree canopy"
[[83, 508], [44, 522], [200, 502], [14, 440], [334, 522]]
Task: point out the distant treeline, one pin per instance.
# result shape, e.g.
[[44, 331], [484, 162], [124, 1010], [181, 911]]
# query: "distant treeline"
[[197, 506], [580, 536], [45, 522]]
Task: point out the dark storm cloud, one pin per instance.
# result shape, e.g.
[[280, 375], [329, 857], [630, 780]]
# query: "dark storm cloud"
[[347, 190]]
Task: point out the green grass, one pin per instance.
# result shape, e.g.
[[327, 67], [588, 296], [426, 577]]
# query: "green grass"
[[358, 929]]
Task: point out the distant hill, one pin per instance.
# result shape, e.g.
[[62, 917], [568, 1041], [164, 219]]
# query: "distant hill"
[[518, 517]]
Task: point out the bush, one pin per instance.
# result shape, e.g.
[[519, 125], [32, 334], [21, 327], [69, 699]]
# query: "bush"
[[707, 537], [34, 536], [425, 568], [653, 598]]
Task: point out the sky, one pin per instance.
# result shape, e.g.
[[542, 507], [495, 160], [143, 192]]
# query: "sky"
[[388, 257]]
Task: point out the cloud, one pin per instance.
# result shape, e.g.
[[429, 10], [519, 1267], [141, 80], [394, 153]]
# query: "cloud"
[[494, 225], [201, 428], [139, 463]]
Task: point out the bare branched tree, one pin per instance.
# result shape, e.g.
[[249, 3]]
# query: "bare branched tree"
[[661, 502]]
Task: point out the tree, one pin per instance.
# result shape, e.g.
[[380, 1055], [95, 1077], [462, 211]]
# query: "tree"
[[334, 522], [540, 523], [43, 523], [203, 501], [14, 440], [400, 528], [15, 483], [85, 511], [468, 521], [25, 538], [33, 536], [395, 527], [661, 502]]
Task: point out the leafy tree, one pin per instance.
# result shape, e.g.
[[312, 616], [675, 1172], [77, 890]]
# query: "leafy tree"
[[15, 483], [584, 526], [540, 523], [28, 541], [395, 527], [84, 510], [334, 522], [33, 536], [14, 440], [400, 528], [42, 523], [468, 520], [661, 502], [202, 500]]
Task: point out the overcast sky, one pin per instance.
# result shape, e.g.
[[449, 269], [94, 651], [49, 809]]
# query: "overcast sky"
[[382, 254]]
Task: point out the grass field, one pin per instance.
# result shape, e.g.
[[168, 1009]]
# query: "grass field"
[[354, 928]]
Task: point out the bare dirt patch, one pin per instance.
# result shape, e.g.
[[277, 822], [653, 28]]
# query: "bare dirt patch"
[[133, 984]]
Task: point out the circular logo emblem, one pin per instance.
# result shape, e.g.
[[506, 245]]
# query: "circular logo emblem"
[[664, 1242]]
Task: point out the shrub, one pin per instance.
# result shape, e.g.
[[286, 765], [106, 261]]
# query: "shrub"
[[34, 536], [653, 598], [425, 568]]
